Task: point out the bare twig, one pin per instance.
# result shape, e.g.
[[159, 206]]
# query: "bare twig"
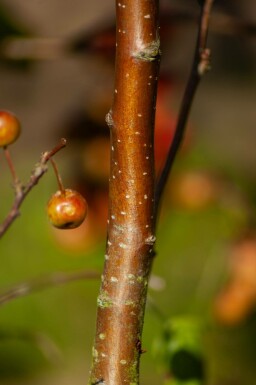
[[200, 66], [46, 282], [22, 191]]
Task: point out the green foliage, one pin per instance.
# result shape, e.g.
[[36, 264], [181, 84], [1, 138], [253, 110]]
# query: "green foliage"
[[180, 349]]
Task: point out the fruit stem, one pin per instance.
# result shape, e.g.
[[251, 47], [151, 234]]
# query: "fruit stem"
[[48, 154], [11, 165], [55, 168]]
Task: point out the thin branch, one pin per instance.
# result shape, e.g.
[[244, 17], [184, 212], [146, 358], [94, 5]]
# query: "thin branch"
[[22, 191], [46, 282], [200, 66]]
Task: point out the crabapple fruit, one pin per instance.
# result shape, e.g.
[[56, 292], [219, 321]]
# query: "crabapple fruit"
[[67, 209], [9, 128]]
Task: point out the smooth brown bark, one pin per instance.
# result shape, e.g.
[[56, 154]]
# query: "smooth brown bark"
[[129, 253]]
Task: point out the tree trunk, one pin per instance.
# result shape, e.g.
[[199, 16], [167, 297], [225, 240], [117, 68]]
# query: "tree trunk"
[[129, 253]]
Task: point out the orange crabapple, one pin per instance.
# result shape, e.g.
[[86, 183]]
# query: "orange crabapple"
[[67, 209], [9, 128]]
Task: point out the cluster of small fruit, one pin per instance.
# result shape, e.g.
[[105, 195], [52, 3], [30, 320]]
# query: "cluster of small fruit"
[[66, 208]]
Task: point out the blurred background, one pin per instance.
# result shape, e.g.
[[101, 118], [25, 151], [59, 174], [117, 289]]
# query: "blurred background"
[[56, 75]]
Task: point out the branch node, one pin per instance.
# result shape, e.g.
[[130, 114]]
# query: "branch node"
[[204, 63], [18, 188], [39, 169], [99, 382], [150, 240], [109, 119], [150, 53]]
